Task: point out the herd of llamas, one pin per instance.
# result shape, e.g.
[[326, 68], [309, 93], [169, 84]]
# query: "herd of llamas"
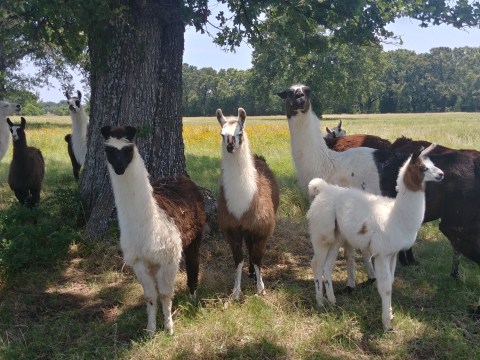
[[365, 193]]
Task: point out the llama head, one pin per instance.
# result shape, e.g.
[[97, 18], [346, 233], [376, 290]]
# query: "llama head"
[[337, 131], [419, 169], [297, 98], [74, 102], [17, 131], [232, 129], [7, 108], [119, 146]]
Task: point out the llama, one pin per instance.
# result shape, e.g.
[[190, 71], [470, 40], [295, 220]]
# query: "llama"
[[248, 201], [336, 132], [460, 184], [75, 165], [381, 225], [27, 168], [79, 126], [342, 143], [157, 220], [358, 168], [6, 109]]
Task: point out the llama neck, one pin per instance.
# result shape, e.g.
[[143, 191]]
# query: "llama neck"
[[19, 147], [309, 148], [409, 206], [133, 193], [79, 122], [239, 178], [79, 134]]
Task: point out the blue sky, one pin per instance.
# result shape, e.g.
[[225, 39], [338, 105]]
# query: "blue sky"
[[201, 52]]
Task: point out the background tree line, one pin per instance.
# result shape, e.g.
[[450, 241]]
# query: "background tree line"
[[346, 79]]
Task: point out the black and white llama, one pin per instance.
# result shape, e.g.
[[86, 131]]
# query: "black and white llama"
[[157, 221], [79, 126]]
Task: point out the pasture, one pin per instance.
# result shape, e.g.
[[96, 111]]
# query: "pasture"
[[63, 298]]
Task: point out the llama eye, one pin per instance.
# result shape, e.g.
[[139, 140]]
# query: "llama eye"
[[423, 168]]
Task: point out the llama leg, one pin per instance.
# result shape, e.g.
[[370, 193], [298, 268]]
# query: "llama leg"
[[455, 264], [150, 294], [350, 259], [384, 284], [34, 198], [410, 257], [21, 195], [251, 268], [328, 270], [256, 255], [165, 278], [320, 252], [368, 264], [235, 242], [192, 265]]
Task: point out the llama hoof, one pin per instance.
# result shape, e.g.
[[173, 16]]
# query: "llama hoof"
[[262, 292], [455, 274], [193, 297], [169, 327]]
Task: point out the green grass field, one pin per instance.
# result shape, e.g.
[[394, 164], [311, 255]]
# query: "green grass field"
[[63, 298]]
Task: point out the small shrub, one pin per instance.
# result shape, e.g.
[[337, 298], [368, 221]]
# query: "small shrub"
[[41, 236]]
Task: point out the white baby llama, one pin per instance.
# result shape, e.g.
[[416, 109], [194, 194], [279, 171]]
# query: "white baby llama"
[[79, 126], [6, 109], [383, 226]]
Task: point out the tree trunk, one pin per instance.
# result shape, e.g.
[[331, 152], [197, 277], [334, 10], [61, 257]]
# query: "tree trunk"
[[136, 79]]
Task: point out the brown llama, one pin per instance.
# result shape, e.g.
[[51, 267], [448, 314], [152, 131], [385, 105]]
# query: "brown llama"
[[248, 201]]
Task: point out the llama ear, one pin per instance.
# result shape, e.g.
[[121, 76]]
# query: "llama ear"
[[242, 115], [23, 122], [68, 137], [428, 150], [67, 95], [416, 154], [328, 130], [284, 94], [340, 125], [79, 95], [220, 117], [106, 131], [307, 91], [131, 131], [9, 122]]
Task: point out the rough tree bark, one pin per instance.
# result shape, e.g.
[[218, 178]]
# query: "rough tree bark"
[[136, 79]]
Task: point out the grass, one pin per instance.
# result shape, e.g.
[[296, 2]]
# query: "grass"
[[74, 300]]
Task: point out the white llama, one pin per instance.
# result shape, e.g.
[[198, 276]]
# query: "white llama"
[[156, 222], [312, 158], [377, 224], [79, 126], [6, 109], [248, 201]]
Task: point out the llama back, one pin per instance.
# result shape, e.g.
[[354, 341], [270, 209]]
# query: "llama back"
[[182, 201], [261, 218]]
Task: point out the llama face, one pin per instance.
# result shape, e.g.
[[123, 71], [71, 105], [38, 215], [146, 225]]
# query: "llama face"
[[337, 131], [421, 169], [74, 102], [232, 130], [7, 108], [297, 98], [119, 146], [17, 131]]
